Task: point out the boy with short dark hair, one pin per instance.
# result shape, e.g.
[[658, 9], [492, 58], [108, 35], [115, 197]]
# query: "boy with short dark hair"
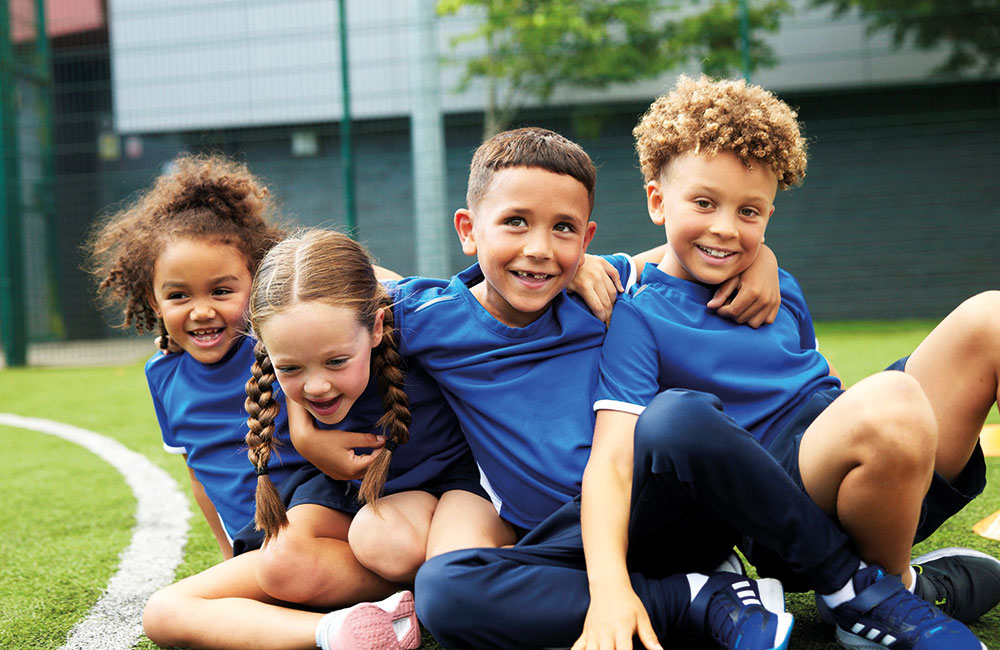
[[518, 360], [714, 154]]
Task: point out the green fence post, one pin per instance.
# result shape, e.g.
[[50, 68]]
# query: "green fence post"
[[45, 192], [346, 150], [13, 316]]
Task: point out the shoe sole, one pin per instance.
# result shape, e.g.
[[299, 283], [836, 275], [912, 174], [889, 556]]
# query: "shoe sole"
[[772, 597], [772, 594], [849, 640], [953, 551], [784, 633]]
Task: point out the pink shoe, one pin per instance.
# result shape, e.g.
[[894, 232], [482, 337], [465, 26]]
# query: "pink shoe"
[[389, 624]]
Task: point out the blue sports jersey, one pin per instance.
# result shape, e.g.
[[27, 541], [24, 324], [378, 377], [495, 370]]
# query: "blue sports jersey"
[[201, 414], [436, 446], [521, 394], [663, 336]]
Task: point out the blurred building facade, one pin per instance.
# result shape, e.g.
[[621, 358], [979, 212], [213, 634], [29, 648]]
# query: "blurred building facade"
[[899, 215]]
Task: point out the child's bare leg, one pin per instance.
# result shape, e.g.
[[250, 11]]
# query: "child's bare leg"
[[465, 520], [868, 460], [311, 563], [392, 542], [957, 366], [224, 607]]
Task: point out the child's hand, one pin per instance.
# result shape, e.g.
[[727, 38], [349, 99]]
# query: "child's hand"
[[597, 282], [332, 451], [613, 619], [753, 297]]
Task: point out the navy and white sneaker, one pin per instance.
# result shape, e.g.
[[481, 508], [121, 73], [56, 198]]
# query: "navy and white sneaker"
[[961, 582], [738, 612], [884, 614]]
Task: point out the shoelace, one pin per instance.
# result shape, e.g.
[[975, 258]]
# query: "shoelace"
[[722, 619], [903, 607]]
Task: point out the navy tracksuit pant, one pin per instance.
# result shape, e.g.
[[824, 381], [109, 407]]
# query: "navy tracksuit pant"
[[700, 484]]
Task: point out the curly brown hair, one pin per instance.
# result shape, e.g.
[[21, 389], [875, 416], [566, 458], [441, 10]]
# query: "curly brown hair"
[[708, 116], [204, 197]]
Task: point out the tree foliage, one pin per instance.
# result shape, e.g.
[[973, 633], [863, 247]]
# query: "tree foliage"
[[532, 47], [970, 28]]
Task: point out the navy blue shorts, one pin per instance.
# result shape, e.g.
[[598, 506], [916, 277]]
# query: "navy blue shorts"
[[308, 485], [943, 499]]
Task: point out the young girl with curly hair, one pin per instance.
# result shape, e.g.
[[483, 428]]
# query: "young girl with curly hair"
[[180, 258], [325, 328]]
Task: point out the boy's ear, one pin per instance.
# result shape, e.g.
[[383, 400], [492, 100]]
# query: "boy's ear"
[[588, 236], [377, 327], [654, 202], [466, 234]]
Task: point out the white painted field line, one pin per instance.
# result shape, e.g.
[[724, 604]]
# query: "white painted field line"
[[157, 546]]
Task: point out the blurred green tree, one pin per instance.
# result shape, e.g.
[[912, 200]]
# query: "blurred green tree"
[[970, 28], [532, 47]]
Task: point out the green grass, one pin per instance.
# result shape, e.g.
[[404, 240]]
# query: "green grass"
[[67, 515]]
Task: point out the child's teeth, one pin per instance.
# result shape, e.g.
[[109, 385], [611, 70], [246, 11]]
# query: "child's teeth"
[[715, 253]]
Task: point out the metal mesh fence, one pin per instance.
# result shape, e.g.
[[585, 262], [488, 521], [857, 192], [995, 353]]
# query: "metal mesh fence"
[[899, 216]]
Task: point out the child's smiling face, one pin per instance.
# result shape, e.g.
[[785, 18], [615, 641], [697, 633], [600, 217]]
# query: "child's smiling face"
[[321, 356], [530, 232], [200, 290], [714, 210]]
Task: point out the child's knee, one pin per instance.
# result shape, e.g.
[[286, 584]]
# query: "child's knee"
[[393, 552], [684, 422], [160, 616], [285, 569], [980, 317], [896, 424], [441, 601]]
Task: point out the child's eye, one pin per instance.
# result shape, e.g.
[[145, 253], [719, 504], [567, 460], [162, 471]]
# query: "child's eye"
[[285, 370], [176, 295], [515, 221], [565, 227], [703, 203], [748, 212], [222, 292], [336, 363]]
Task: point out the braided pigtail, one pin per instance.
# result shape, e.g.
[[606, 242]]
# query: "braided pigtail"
[[262, 410], [389, 369]]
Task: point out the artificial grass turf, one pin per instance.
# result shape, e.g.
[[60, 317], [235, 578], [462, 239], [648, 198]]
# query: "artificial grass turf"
[[115, 402]]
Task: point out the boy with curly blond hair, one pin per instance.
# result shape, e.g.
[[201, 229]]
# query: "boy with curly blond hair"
[[829, 487]]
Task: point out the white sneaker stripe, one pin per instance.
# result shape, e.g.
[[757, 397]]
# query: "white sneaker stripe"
[[746, 593], [752, 601], [741, 585], [888, 639], [872, 633], [858, 627]]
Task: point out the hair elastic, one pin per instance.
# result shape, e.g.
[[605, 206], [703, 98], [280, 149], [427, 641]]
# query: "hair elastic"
[[262, 471], [391, 445]]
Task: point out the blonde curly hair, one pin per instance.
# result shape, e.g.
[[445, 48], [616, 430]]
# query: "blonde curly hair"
[[708, 116]]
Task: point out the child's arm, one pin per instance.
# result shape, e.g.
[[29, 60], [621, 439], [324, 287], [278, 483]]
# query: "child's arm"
[[616, 614], [331, 450], [753, 297], [211, 515]]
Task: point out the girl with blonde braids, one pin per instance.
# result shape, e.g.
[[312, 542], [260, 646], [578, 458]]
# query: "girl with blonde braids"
[[180, 259], [323, 540]]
